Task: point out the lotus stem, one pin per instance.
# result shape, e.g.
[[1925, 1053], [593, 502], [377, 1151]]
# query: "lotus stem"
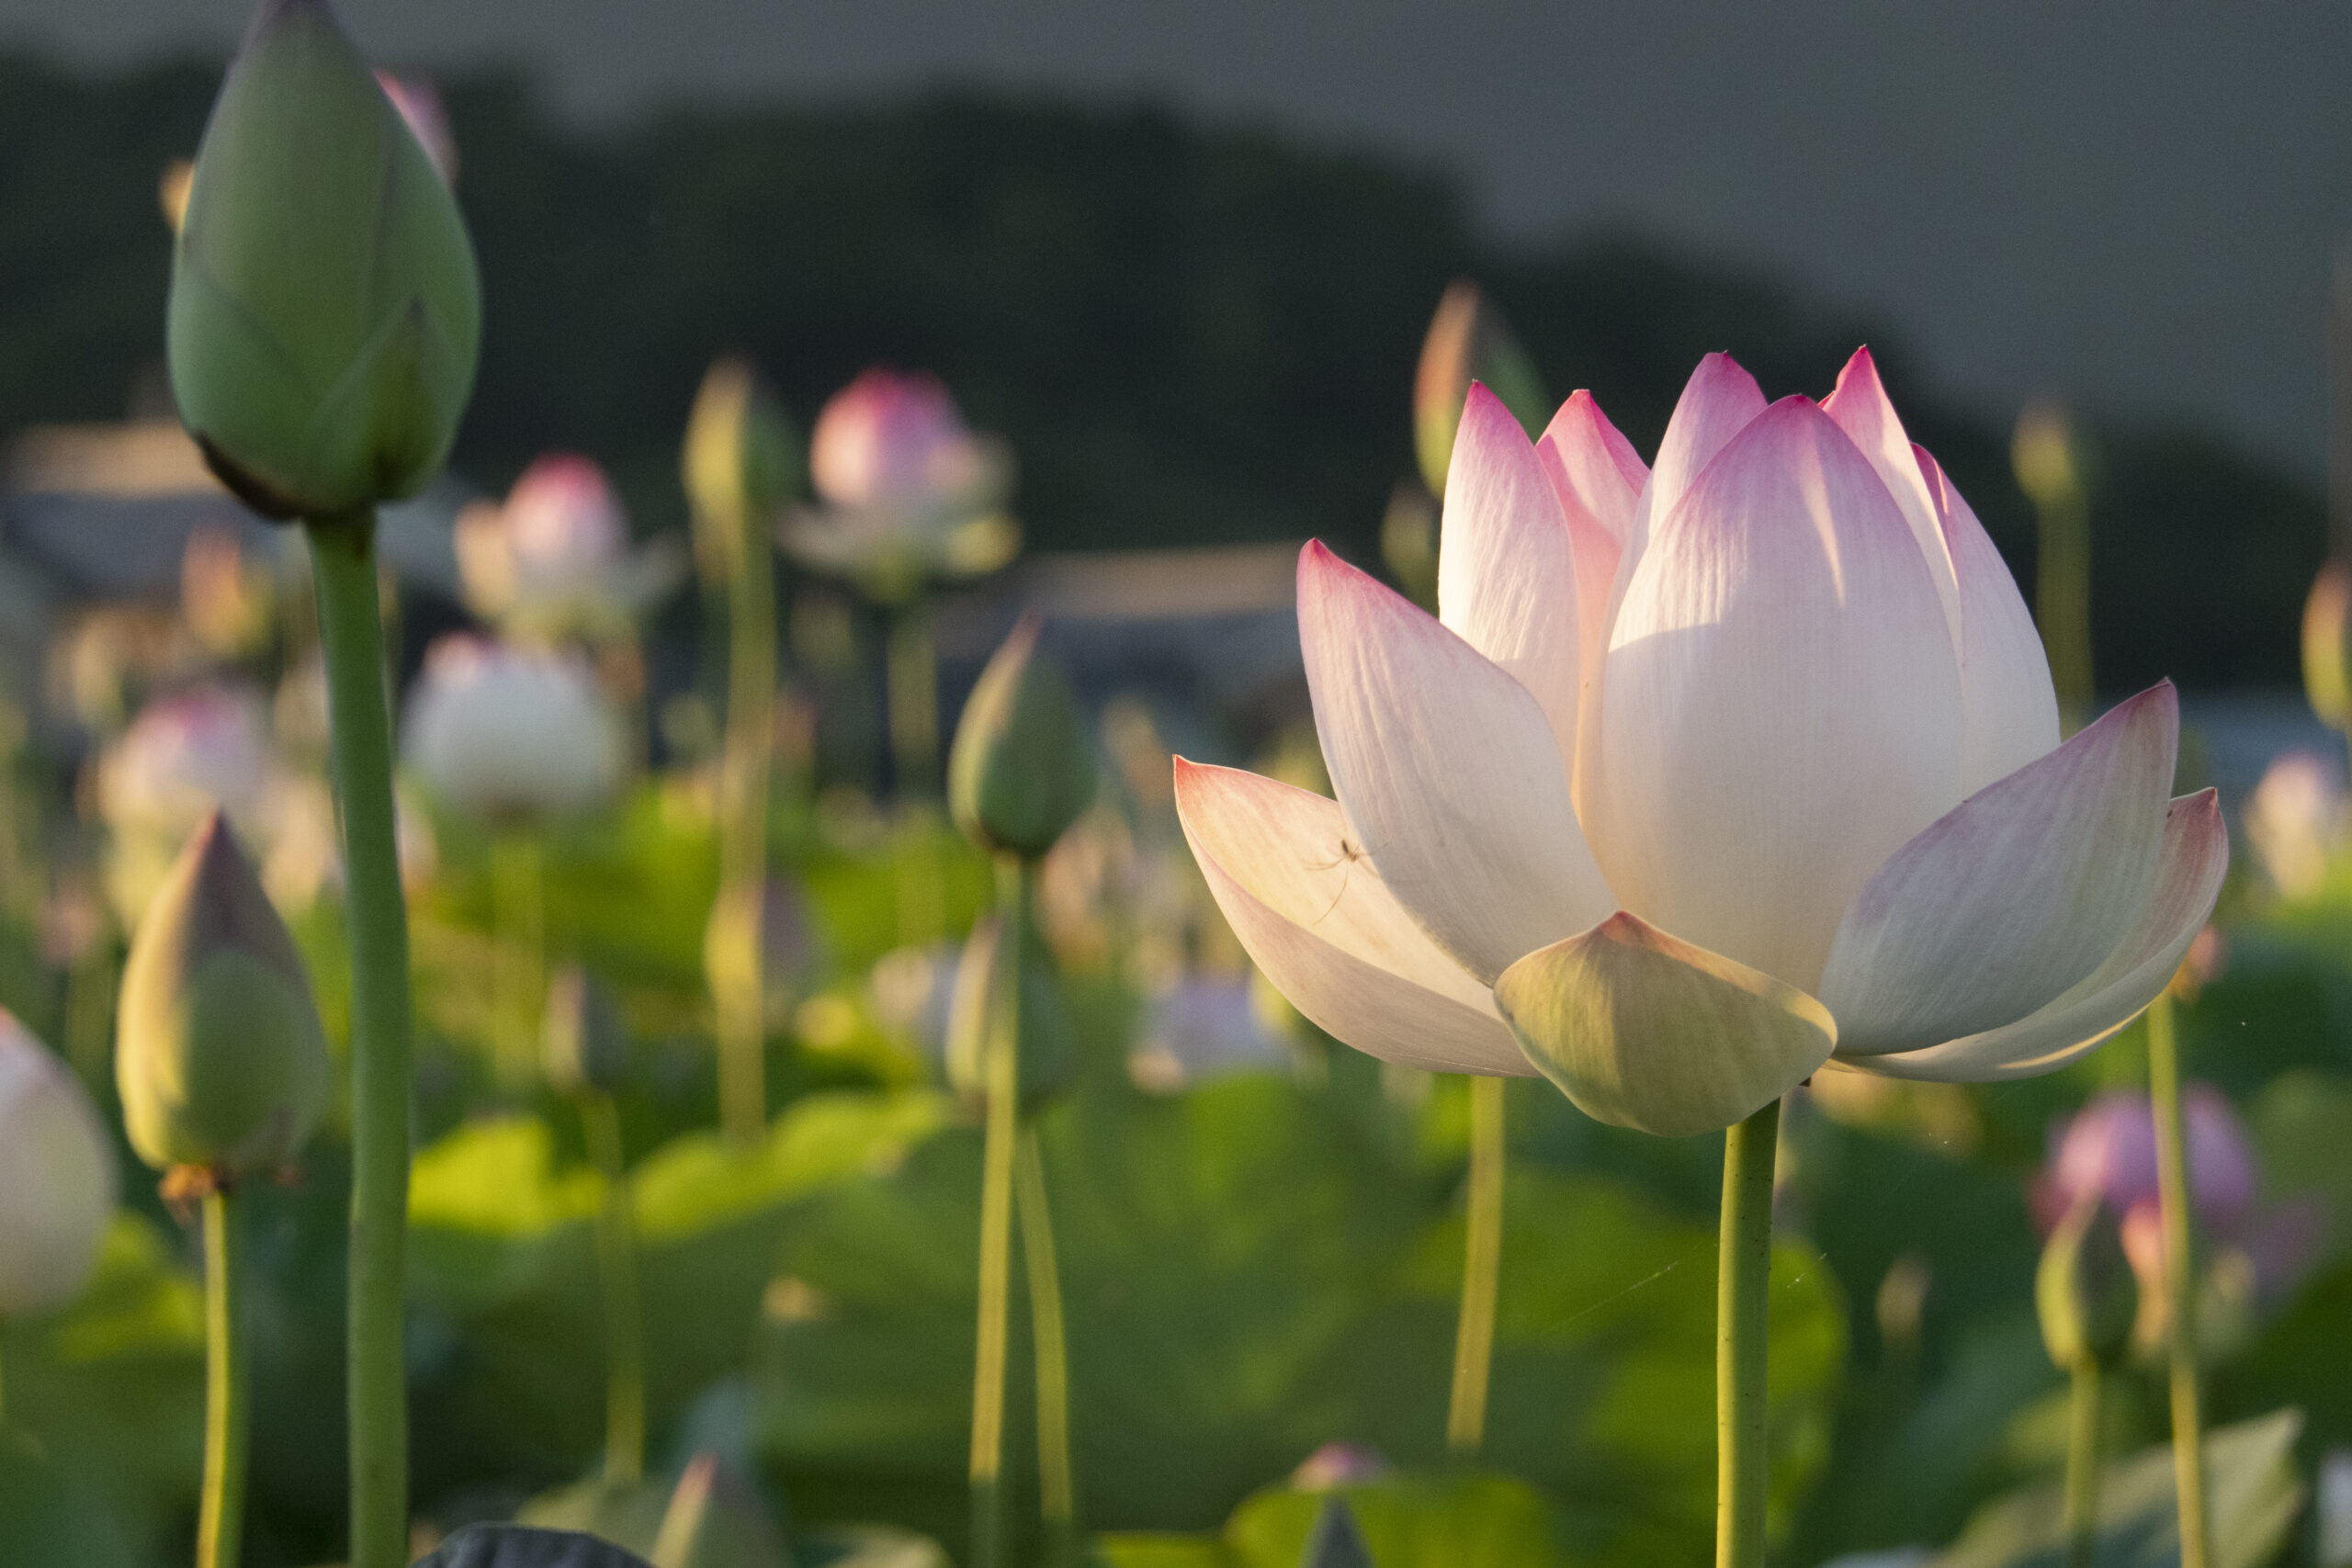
[[624, 1313], [343, 556], [739, 983], [1744, 1274], [2180, 1292], [2081, 1515], [1482, 1259], [2062, 602], [1056, 1487], [518, 952], [912, 667], [227, 1380], [1003, 1080]]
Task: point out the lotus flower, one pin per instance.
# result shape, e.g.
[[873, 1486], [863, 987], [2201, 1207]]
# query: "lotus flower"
[[184, 755], [2296, 820], [505, 733], [57, 1177], [1707, 773], [555, 559], [911, 493]]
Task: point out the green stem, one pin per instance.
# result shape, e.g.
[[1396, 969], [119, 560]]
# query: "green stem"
[[1744, 1272], [624, 1314], [2081, 1518], [2180, 1288], [739, 987], [1056, 1485], [996, 1226], [2063, 605], [343, 556], [912, 669], [518, 952], [1482, 1257], [226, 1379]]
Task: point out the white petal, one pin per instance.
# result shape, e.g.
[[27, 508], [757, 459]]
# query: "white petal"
[[2196, 857], [2011, 897], [1717, 404], [1506, 578], [1780, 710], [1860, 407], [2008, 708], [1311, 909], [1449, 770], [1598, 480]]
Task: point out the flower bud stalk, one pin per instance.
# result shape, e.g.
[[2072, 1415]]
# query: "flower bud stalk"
[[1743, 1281], [2179, 1282]]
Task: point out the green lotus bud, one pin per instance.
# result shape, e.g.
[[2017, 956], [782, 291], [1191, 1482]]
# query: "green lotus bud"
[[2084, 1289], [743, 461], [1468, 342], [219, 1054], [584, 1043], [1023, 766], [1048, 1043], [326, 315]]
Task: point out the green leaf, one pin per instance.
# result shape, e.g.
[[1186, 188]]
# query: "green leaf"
[[1455, 1521], [2255, 1495]]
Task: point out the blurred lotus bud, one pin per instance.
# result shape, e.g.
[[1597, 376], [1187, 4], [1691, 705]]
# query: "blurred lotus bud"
[[1023, 766], [219, 1054], [184, 755], [506, 734], [1468, 342], [1335, 1541], [910, 491], [2108, 1152], [1048, 1048], [742, 463], [1408, 541], [2327, 645], [230, 602], [1340, 1464], [714, 1520], [1205, 1028], [2084, 1289], [419, 101], [326, 315], [57, 1177], [583, 1042], [2042, 451], [171, 192], [2297, 820], [555, 559], [913, 990], [790, 951]]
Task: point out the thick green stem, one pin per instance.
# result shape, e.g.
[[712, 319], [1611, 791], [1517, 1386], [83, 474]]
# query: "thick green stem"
[[624, 1314], [220, 1521], [2180, 1286], [739, 986], [1482, 1260], [1003, 1063], [518, 952], [1744, 1273], [1057, 1484], [2081, 1517], [342, 557]]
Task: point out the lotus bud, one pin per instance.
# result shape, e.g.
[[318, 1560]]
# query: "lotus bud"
[[326, 315], [57, 1177], [1335, 1541], [2042, 451], [1023, 766], [184, 755], [219, 1054], [507, 733], [1049, 1051], [583, 1042], [419, 101], [896, 442], [2084, 1289], [2328, 654], [1468, 342], [742, 463]]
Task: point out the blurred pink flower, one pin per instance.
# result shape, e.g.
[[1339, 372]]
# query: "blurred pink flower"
[[908, 491], [419, 101], [504, 732], [182, 756], [1335, 1465], [555, 558], [2296, 820]]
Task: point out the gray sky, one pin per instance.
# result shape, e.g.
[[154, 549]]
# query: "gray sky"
[[2132, 205]]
